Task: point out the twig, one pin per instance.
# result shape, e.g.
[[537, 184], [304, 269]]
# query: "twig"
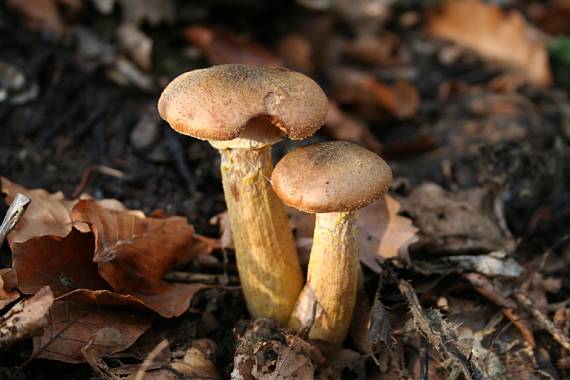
[[180, 160], [543, 321], [13, 215], [26, 319], [432, 326], [88, 173], [204, 278], [150, 358], [424, 359]]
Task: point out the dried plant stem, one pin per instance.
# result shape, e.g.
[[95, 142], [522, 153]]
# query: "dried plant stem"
[[332, 279], [13, 215], [203, 278], [266, 256], [543, 321], [26, 319], [432, 326], [161, 346]]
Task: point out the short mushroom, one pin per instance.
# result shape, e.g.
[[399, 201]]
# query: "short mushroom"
[[333, 180], [242, 110]]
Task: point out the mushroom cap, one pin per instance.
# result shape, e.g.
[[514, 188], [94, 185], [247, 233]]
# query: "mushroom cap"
[[331, 176], [217, 103]]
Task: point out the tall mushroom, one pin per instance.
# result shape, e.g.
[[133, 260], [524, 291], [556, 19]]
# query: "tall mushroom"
[[242, 110], [333, 180]]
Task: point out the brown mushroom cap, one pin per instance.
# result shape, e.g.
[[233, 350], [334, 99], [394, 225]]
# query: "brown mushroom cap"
[[218, 102], [331, 176]]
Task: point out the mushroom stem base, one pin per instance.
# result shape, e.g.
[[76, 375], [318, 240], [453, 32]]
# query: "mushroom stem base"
[[327, 301], [266, 256]]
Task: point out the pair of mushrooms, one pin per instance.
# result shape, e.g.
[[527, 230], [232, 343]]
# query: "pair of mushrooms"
[[242, 110]]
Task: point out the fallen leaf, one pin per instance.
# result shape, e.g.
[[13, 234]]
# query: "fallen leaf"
[[554, 20], [495, 34], [342, 126], [223, 47], [136, 44], [8, 284], [222, 220], [465, 222], [63, 263], [296, 52], [196, 364], [26, 319], [72, 326], [43, 15], [171, 302], [383, 233], [400, 99], [266, 352], [73, 275], [47, 214], [133, 253], [138, 11], [495, 264]]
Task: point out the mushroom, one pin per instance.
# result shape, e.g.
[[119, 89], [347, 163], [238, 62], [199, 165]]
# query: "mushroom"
[[333, 180], [242, 110]]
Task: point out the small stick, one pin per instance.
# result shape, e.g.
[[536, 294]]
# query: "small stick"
[[13, 215], [204, 278], [424, 359], [150, 359], [543, 321]]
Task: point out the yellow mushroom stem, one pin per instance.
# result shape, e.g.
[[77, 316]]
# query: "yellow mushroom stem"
[[327, 301], [267, 259]]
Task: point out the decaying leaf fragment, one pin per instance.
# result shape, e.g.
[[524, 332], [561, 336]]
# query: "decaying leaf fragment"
[[26, 319], [133, 253], [383, 233], [47, 214], [465, 222], [222, 47], [8, 284], [266, 352], [438, 332], [496, 35], [72, 326]]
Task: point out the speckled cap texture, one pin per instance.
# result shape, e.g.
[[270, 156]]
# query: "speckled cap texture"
[[331, 176], [218, 102]]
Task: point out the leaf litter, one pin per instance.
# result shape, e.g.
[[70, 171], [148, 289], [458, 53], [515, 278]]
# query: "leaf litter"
[[476, 121]]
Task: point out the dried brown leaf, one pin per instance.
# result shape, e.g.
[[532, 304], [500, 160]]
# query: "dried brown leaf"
[[465, 222], [73, 273], [496, 35], [383, 233], [39, 14], [136, 44], [26, 319], [266, 352], [72, 326], [63, 263], [138, 11], [47, 214], [8, 284], [342, 126], [400, 99], [134, 253], [223, 47]]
